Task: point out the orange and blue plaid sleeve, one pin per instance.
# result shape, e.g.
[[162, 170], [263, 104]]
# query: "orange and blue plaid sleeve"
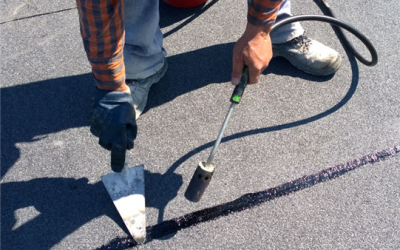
[[263, 12], [103, 34]]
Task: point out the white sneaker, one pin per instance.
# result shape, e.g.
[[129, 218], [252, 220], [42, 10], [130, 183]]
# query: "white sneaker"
[[140, 89], [309, 56]]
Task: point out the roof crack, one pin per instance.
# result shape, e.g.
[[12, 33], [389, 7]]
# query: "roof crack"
[[37, 15]]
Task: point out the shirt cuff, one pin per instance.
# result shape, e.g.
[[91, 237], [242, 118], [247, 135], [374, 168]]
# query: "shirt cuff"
[[263, 12]]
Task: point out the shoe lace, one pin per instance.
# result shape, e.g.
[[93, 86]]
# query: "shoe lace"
[[302, 41]]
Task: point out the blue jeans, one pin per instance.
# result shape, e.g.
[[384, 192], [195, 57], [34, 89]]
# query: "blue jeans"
[[143, 52], [287, 32]]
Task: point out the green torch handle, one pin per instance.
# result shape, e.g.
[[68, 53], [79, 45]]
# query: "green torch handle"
[[239, 89]]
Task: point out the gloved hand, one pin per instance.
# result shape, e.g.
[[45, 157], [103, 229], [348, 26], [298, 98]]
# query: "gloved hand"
[[112, 119]]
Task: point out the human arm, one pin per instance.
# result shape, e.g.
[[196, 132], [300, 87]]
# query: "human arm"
[[103, 35], [254, 47], [112, 118]]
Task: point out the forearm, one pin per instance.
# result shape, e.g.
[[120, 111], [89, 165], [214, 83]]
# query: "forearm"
[[102, 31], [254, 30]]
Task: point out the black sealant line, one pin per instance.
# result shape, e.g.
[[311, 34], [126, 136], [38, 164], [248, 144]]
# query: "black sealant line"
[[250, 200]]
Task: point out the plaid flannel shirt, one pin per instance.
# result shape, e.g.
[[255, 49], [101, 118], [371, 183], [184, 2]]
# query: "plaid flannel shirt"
[[263, 12], [103, 34]]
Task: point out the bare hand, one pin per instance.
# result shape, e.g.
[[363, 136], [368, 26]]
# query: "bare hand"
[[253, 49]]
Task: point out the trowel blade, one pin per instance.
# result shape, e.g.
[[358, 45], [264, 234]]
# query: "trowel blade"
[[127, 193]]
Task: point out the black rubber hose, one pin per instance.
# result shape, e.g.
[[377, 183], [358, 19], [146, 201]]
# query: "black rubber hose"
[[336, 22]]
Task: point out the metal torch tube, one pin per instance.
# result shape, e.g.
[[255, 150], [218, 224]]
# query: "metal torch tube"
[[221, 132]]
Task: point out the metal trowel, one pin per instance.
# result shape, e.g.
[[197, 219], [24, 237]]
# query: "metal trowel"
[[126, 189]]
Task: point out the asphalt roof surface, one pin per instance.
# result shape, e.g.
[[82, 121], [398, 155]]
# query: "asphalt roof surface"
[[306, 162]]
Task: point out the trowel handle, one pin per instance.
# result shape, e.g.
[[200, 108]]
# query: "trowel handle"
[[239, 89], [118, 158]]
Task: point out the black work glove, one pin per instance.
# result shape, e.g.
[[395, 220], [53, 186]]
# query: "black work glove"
[[112, 119]]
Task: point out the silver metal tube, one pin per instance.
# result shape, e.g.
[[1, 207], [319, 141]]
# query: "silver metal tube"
[[221, 132]]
